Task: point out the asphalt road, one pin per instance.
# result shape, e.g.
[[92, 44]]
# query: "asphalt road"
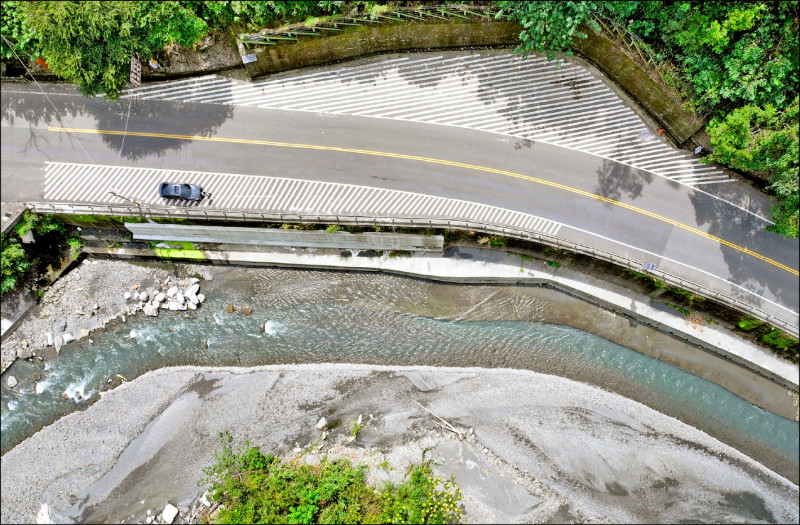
[[662, 207]]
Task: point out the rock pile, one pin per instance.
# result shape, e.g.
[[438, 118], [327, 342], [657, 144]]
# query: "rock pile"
[[177, 297]]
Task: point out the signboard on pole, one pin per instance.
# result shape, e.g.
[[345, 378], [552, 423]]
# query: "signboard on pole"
[[136, 70]]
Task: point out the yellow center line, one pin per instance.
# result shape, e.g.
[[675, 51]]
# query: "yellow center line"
[[445, 163]]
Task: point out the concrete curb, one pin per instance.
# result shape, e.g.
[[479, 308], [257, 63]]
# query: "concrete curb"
[[592, 289]]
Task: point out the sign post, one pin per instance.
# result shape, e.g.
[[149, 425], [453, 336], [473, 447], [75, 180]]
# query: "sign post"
[[136, 70]]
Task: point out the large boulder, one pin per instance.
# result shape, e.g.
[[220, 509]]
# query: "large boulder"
[[172, 292], [67, 337], [160, 297], [169, 513], [192, 289]]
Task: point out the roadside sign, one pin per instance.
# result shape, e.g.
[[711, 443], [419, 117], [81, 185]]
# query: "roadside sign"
[[650, 267], [136, 71]]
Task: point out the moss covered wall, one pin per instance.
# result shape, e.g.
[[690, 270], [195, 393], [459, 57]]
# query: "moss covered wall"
[[369, 40], [627, 74]]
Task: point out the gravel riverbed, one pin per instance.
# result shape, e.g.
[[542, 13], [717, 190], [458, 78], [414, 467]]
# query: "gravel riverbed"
[[542, 448]]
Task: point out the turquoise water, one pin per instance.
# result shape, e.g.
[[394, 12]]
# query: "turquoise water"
[[361, 323]]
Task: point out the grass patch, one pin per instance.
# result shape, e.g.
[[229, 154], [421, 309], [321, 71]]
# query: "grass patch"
[[780, 340], [749, 323], [258, 488]]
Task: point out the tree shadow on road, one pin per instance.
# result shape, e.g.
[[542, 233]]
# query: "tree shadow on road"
[[615, 180]]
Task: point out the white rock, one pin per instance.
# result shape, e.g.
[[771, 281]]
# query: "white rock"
[[174, 305], [182, 307], [322, 423], [359, 420], [144, 297], [49, 338], [44, 515], [201, 297], [57, 342], [194, 280], [192, 298], [180, 298], [160, 297], [170, 513], [151, 309], [204, 499], [173, 290], [67, 337], [128, 295], [5, 324], [192, 289], [135, 295], [149, 519], [191, 306], [12, 381]]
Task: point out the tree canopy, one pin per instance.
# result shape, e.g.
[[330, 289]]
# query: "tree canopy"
[[91, 43]]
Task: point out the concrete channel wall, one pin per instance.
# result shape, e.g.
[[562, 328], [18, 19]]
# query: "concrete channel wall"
[[382, 241], [721, 292]]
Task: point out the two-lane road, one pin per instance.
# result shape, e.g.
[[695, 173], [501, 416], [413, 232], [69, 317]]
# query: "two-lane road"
[[595, 200]]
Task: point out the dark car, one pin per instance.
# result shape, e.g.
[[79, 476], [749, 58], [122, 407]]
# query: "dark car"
[[181, 191]]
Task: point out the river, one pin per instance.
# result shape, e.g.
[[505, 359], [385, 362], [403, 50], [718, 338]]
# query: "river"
[[301, 316]]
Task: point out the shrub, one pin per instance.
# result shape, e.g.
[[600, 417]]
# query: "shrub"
[[255, 488], [13, 263]]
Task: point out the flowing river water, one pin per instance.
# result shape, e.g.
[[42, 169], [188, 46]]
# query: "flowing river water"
[[301, 316]]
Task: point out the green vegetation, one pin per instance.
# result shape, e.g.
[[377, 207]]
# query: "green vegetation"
[[749, 323], [355, 428], [652, 281], [186, 250], [554, 264], [681, 309], [736, 61], [255, 488], [13, 263], [90, 43], [333, 228]]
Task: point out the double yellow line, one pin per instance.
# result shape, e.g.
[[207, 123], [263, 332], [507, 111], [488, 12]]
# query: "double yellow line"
[[444, 163]]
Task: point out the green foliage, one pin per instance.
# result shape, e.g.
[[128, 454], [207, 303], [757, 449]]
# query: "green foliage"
[[355, 428], [15, 29], [255, 488], [764, 141], [554, 264], [749, 323], [780, 340], [498, 241], [256, 14], [13, 263], [91, 43], [551, 26], [333, 228], [75, 245], [40, 224]]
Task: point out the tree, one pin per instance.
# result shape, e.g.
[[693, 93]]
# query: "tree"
[[550, 26], [763, 141], [91, 43]]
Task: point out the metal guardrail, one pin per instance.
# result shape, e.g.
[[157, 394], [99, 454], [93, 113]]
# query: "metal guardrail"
[[399, 14], [394, 222]]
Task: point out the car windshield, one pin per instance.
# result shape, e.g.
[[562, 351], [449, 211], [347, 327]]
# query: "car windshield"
[[185, 191]]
